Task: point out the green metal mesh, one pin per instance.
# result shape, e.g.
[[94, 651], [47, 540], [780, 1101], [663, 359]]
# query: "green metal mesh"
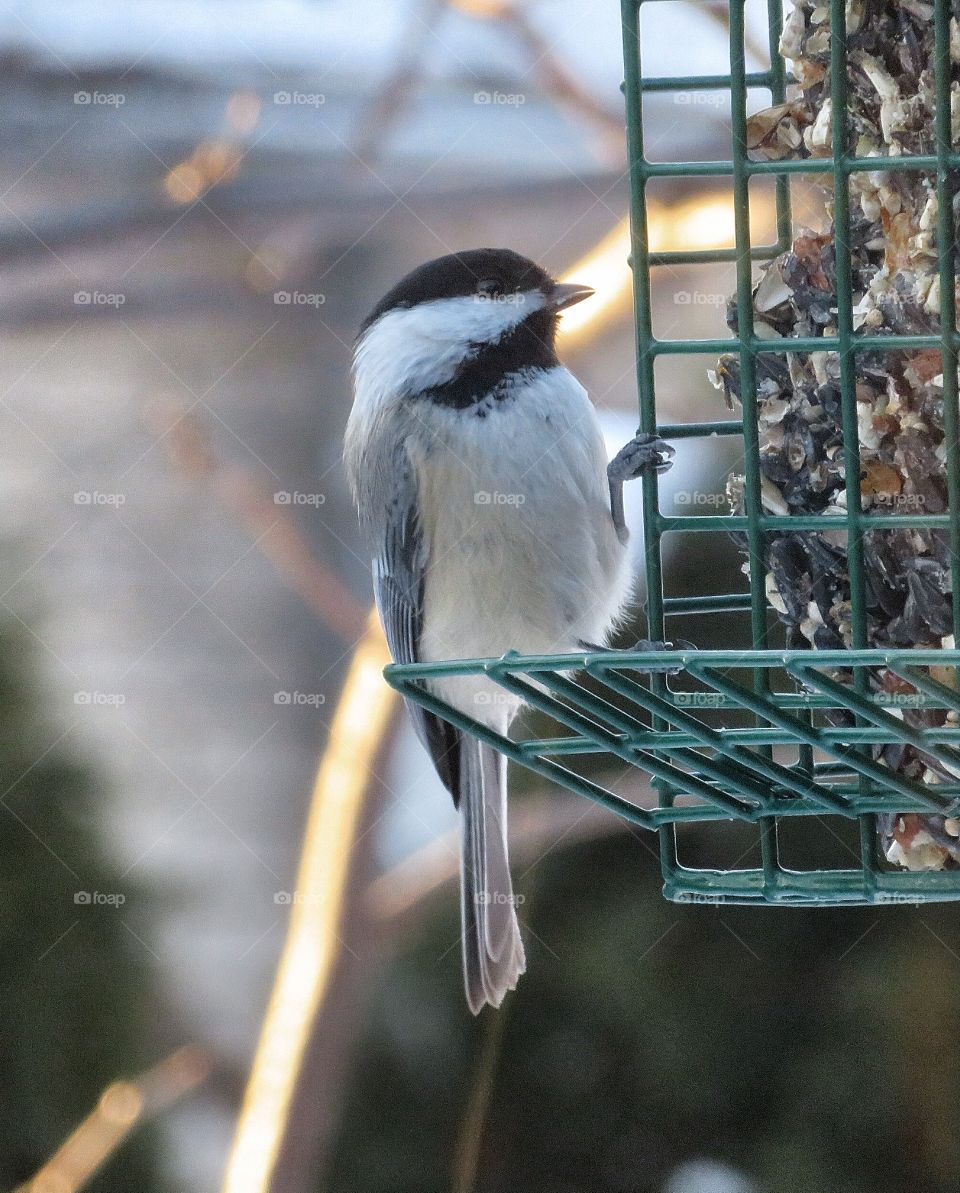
[[746, 735]]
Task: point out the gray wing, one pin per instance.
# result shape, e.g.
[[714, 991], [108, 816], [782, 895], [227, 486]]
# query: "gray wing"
[[399, 573]]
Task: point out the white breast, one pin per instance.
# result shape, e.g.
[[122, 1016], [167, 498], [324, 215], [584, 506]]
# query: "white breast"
[[523, 553]]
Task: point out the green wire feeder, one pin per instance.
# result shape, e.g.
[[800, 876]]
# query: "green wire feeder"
[[709, 734]]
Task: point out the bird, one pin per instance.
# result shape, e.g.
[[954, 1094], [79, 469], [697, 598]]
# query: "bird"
[[494, 523]]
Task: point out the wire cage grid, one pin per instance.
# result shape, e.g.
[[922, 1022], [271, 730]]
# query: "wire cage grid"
[[705, 766]]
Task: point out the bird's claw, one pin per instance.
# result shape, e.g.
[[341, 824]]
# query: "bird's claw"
[[643, 452], [645, 645]]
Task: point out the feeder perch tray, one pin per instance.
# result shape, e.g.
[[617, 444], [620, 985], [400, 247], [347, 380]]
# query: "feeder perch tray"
[[758, 735]]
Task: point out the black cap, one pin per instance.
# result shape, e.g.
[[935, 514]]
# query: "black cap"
[[488, 271]]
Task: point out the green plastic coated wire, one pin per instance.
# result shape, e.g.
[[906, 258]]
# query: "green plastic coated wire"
[[745, 735]]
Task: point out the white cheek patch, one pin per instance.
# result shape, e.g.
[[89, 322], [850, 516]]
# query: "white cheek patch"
[[421, 346], [470, 317]]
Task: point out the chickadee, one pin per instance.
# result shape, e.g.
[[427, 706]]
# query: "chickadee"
[[494, 522]]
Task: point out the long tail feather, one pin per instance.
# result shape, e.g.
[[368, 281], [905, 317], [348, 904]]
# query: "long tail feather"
[[493, 956]]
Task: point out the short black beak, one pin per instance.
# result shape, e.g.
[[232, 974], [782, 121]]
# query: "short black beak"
[[565, 294]]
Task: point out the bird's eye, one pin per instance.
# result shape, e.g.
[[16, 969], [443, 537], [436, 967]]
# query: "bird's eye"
[[489, 287]]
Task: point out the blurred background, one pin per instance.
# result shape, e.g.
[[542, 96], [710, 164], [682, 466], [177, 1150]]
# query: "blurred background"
[[199, 202]]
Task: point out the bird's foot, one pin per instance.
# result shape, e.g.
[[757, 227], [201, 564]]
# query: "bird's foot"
[[643, 452], [646, 646]]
